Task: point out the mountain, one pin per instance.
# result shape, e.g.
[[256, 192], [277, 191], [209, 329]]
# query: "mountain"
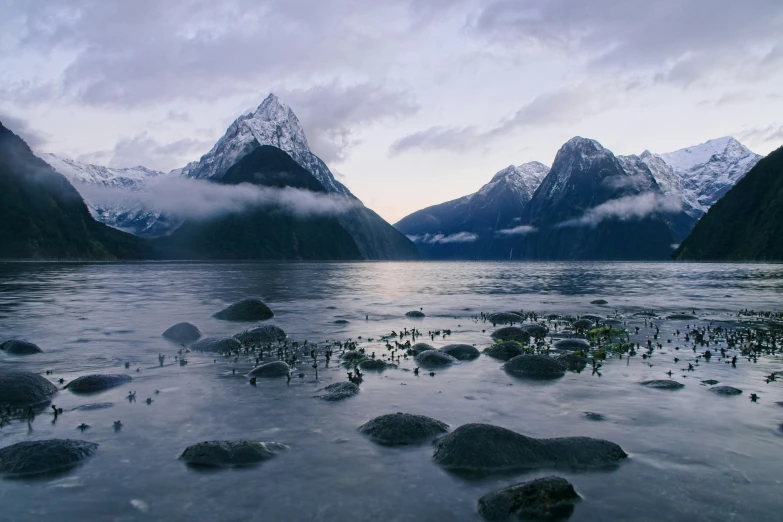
[[264, 232], [480, 225], [44, 217], [746, 224]]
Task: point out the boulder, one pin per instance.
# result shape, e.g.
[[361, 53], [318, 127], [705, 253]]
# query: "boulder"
[[182, 333], [434, 359], [483, 448], [547, 498], [536, 330], [21, 389], [421, 347], [43, 456], [416, 314], [511, 333], [461, 352], [711, 382], [505, 318], [97, 382], [599, 302], [375, 364], [583, 324], [339, 391], [572, 361], [572, 344], [270, 369], [218, 453], [341, 321], [663, 384], [216, 345], [352, 355], [505, 350], [260, 335], [534, 365], [19, 347], [250, 309], [397, 429], [726, 390]]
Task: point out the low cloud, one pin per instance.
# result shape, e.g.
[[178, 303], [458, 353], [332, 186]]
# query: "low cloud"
[[521, 230], [184, 198], [619, 182], [624, 209], [18, 126], [431, 239]]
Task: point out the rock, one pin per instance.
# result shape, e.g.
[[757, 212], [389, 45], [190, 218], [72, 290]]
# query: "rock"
[[259, 335], [646, 313], [415, 314], [583, 324], [547, 498], [352, 355], [505, 350], [97, 382], [599, 302], [572, 344], [21, 389], [461, 352], [216, 345], [663, 384], [93, 406], [505, 318], [483, 448], [397, 429], [594, 416], [726, 390], [341, 321], [536, 330], [533, 365], [217, 453], [434, 359], [593, 318], [572, 361], [511, 333], [182, 333], [681, 317], [19, 347], [43, 456], [421, 347], [375, 364], [711, 382], [339, 391], [270, 369], [250, 309]]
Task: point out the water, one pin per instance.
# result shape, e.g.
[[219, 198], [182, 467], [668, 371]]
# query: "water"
[[693, 455]]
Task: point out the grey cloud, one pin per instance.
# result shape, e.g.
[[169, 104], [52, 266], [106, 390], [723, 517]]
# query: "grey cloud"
[[21, 128], [143, 150], [431, 239], [624, 209], [439, 138], [763, 135]]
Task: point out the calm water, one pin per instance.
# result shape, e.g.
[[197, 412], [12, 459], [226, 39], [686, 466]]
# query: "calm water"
[[693, 455]]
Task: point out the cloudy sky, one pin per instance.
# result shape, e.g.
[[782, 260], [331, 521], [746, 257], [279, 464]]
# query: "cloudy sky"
[[410, 102]]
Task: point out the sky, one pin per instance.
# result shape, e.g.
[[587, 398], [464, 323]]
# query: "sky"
[[410, 102]]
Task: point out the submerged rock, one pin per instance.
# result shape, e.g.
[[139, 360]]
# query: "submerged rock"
[[593, 416], [511, 333], [421, 347], [599, 302], [43, 456], [572, 361], [341, 321], [93, 406], [339, 391], [21, 389], [663, 384], [182, 333], [505, 318], [533, 365], [711, 382], [434, 359], [352, 355], [250, 309], [483, 448], [572, 344], [19, 347], [461, 352], [219, 453], [97, 382], [681, 317], [416, 314], [547, 498], [266, 334], [505, 350], [726, 390], [216, 345], [397, 429], [270, 369], [375, 364]]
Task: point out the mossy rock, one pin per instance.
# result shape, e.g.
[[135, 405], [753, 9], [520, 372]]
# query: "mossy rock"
[[97, 382], [461, 352], [250, 309], [547, 498], [182, 333], [505, 350], [218, 453], [40, 457], [398, 429], [511, 333], [19, 347]]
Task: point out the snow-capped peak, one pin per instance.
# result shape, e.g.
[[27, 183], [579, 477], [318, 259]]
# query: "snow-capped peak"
[[131, 177], [523, 179], [720, 148]]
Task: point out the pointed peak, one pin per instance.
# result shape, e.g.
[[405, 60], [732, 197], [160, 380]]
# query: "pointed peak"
[[272, 109], [582, 144]]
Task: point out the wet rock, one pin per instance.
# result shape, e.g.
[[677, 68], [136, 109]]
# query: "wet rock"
[[572, 344], [572, 361], [461, 352], [270, 369], [547, 498], [217, 345], [250, 309], [726, 390], [593, 416], [19, 347], [536, 330], [218, 453], [583, 324], [534, 365], [663, 384], [511, 333], [483, 448], [599, 302], [505, 350], [21, 389], [43, 456], [93, 406], [646, 313], [352, 355], [97, 382], [434, 359], [711, 382], [421, 347], [339, 391], [182, 333], [260, 335], [681, 317], [397, 429], [415, 314], [593, 318], [341, 321], [505, 318], [375, 364]]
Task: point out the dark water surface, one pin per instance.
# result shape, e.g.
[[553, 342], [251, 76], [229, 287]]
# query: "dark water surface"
[[693, 455]]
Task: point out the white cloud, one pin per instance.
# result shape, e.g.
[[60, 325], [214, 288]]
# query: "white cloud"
[[521, 230], [431, 239], [626, 208]]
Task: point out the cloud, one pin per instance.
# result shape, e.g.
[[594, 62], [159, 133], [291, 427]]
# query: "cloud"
[[521, 230], [624, 181], [624, 209], [18, 126], [763, 135], [185, 198], [148, 152], [439, 138], [432, 239]]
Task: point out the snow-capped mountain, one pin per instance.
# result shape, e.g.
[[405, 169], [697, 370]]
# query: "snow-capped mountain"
[[131, 178], [521, 180]]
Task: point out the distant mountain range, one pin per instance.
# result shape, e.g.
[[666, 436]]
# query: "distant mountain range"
[[590, 205]]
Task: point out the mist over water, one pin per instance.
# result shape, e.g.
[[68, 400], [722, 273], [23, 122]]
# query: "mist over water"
[[693, 455]]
